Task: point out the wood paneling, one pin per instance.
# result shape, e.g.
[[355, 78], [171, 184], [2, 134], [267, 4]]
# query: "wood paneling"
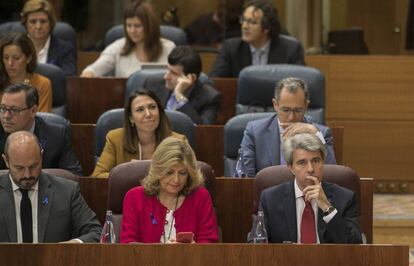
[[373, 98], [83, 140], [88, 98], [212, 254]]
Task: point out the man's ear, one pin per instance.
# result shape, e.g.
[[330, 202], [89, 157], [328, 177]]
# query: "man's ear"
[[291, 169], [5, 160], [275, 105]]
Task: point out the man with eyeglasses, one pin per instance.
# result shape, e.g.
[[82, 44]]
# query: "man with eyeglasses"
[[261, 43], [308, 209], [18, 110], [261, 144]]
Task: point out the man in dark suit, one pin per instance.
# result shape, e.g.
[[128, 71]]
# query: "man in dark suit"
[[261, 143], [182, 90], [18, 110], [307, 209], [260, 44], [37, 207]]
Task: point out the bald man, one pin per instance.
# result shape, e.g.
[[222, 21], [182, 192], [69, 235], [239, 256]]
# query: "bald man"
[[37, 207]]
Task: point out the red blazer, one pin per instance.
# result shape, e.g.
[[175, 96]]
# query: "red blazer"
[[143, 217]]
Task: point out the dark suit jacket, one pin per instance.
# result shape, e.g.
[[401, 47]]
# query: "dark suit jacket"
[[62, 214], [203, 101], [261, 144], [56, 143], [279, 207], [235, 55], [62, 54]]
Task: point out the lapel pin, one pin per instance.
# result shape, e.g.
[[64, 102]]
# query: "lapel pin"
[[45, 200]]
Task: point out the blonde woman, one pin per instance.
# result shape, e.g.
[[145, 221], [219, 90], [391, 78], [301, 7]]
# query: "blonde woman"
[[171, 200]]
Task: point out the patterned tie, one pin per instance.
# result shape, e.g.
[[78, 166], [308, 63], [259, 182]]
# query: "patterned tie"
[[26, 217], [307, 226]]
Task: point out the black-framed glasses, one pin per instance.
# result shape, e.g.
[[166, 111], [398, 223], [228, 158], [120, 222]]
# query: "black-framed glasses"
[[288, 110], [249, 21], [13, 110]]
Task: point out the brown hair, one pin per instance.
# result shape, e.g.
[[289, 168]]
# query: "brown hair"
[[152, 43], [25, 44], [131, 138], [38, 6]]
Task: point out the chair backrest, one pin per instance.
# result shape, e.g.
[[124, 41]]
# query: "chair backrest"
[[174, 34], [54, 172], [58, 80], [233, 135], [348, 41], [114, 118], [62, 30], [137, 79], [125, 176], [256, 87], [56, 119]]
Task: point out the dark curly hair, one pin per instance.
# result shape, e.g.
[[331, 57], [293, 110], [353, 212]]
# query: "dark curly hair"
[[270, 20]]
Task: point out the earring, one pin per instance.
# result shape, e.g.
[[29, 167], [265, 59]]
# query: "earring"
[[132, 124]]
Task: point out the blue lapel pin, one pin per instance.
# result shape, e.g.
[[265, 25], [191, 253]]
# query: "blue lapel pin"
[[45, 200]]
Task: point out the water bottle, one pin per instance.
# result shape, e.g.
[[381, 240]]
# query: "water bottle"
[[240, 170], [259, 230], [108, 234]]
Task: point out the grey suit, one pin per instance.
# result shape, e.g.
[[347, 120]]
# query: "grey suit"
[[62, 212], [279, 207], [235, 55], [261, 144]]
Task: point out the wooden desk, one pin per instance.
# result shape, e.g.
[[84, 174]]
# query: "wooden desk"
[[88, 98], [228, 89], [198, 254]]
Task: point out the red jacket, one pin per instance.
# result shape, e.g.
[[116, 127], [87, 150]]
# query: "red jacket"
[[143, 217]]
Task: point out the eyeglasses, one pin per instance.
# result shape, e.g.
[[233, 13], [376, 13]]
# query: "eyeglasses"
[[249, 21], [288, 110], [13, 110]]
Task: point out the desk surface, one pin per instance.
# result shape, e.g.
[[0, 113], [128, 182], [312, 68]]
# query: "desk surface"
[[198, 254]]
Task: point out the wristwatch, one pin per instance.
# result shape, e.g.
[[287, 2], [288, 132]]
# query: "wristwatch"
[[329, 210]]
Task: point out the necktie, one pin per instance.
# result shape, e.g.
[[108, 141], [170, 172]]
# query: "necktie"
[[307, 226], [26, 217]]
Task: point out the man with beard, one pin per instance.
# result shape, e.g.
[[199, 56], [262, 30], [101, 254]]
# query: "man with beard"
[[37, 207]]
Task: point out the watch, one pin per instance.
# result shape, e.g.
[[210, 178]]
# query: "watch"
[[329, 210]]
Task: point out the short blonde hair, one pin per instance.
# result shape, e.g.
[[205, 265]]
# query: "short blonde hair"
[[168, 153], [38, 6]]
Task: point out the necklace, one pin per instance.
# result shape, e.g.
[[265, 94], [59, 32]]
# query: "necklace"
[[172, 221]]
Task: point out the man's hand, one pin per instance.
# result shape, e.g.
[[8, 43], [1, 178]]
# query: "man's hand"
[[298, 128], [184, 82], [314, 190]]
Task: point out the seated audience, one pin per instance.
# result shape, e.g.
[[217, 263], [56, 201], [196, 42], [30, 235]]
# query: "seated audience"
[[259, 44], [145, 126], [308, 209], [141, 44], [170, 201], [182, 90], [37, 207], [261, 144], [18, 64], [38, 17], [18, 109]]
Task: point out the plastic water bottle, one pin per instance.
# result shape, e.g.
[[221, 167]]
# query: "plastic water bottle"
[[240, 170], [259, 233], [108, 233]]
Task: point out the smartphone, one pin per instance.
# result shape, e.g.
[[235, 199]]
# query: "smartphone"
[[185, 237]]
